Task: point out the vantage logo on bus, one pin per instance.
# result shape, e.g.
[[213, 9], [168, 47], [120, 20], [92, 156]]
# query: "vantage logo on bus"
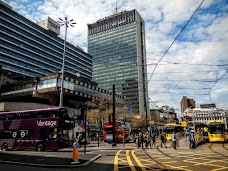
[[46, 123]]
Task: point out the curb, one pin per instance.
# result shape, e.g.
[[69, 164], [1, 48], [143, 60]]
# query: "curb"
[[53, 166]]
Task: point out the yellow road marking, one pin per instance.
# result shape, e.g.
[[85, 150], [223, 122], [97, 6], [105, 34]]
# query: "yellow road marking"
[[137, 161], [130, 162], [122, 160], [116, 161], [178, 167], [211, 161], [220, 168], [208, 164]]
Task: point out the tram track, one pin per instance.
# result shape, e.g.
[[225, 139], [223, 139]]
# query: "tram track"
[[192, 167], [160, 164], [224, 147], [214, 151]]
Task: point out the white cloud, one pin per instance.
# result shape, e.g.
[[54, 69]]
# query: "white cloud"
[[204, 40]]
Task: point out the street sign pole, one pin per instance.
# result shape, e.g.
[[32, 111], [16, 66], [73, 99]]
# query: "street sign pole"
[[123, 136]]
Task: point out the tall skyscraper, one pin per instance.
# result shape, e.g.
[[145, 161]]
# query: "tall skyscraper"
[[117, 45]]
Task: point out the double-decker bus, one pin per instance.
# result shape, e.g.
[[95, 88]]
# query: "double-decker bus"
[[170, 127], [122, 132], [216, 131], [39, 129]]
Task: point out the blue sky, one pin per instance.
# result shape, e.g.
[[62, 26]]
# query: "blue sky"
[[204, 41]]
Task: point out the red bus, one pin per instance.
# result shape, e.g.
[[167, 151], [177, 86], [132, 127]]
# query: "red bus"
[[119, 132], [40, 129]]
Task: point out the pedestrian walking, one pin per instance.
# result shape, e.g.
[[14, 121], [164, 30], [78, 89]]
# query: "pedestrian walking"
[[191, 139], [163, 139], [174, 140], [153, 140], [79, 139], [147, 140], [142, 140], [139, 139]]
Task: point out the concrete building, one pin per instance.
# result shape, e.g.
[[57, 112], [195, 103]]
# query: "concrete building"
[[203, 115], [31, 62], [117, 44], [32, 51], [187, 103]]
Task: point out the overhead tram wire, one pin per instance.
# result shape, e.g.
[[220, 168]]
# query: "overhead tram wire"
[[215, 83], [184, 72], [175, 39], [179, 88], [177, 63]]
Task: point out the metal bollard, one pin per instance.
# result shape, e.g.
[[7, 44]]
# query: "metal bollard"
[[75, 153]]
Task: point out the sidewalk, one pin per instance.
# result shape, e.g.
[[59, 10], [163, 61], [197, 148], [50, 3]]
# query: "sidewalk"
[[61, 159], [45, 160]]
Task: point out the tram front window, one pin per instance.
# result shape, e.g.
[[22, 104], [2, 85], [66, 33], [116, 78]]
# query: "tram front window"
[[169, 130], [216, 130]]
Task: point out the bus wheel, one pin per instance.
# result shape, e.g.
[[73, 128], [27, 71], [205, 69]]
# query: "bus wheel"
[[4, 146], [40, 147]]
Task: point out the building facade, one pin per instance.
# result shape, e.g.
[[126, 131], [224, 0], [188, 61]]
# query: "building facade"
[[187, 103], [28, 49], [31, 60], [117, 45], [203, 115]]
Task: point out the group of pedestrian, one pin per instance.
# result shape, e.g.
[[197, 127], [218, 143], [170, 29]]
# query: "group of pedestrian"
[[146, 140], [143, 140]]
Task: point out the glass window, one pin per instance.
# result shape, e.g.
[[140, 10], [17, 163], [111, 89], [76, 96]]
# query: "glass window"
[[53, 132]]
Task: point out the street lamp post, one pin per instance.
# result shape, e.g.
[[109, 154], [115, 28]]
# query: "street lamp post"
[[66, 23]]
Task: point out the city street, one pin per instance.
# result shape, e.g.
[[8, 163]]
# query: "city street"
[[205, 157]]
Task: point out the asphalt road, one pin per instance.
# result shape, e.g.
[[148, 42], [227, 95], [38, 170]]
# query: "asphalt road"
[[210, 156]]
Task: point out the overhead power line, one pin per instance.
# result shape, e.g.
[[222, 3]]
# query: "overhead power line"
[[215, 83], [184, 72], [189, 80], [175, 39], [178, 63]]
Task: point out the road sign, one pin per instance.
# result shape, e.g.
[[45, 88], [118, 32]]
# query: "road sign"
[[122, 122], [129, 110]]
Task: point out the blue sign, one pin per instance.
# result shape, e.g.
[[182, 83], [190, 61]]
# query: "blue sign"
[[122, 122], [129, 110]]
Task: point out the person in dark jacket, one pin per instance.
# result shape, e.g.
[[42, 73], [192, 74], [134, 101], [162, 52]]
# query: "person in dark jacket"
[[163, 139]]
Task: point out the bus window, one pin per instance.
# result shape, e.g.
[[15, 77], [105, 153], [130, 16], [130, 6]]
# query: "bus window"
[[25, 116], [108, 130], [2, 117], [5, 134], [40, 115], [11, 117], [53, 133]]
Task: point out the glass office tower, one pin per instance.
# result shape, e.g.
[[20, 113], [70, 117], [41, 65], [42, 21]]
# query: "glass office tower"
[[117, 45]]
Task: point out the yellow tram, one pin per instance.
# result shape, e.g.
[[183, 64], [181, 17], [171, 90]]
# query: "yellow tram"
[[170, 127], [216, 131]]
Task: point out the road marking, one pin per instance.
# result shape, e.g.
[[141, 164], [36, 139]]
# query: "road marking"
[[116, 161], [130, 162], [178, 167], [222, 168], [137, 161]]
